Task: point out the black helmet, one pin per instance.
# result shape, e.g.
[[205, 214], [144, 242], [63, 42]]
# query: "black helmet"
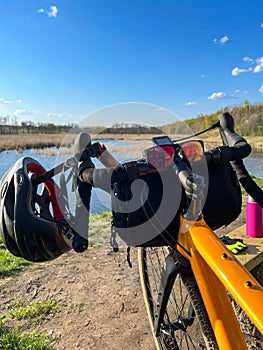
[[27, 227]]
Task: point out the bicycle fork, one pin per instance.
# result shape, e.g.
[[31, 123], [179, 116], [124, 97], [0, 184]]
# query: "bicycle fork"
[[172, 267]]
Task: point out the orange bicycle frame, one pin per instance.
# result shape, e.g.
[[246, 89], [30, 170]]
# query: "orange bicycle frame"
[[217, 271]]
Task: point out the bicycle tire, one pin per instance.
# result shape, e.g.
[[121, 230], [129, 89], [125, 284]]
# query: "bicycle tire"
[[253, 338], [198, 333]]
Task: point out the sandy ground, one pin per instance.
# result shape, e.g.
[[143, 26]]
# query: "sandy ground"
[[100, 304], [99, 300]]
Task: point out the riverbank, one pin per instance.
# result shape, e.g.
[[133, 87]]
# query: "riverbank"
[[40, 141], [28, 141]]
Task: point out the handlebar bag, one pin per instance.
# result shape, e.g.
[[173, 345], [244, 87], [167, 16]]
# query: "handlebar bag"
[[224, 200], [146, 212], [149, 214]]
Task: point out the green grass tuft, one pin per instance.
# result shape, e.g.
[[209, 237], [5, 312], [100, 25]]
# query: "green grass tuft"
[[104, 215], [12, 339], [33, 312], [10, 264]]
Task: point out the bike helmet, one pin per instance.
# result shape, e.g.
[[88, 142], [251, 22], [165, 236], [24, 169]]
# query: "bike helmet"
[[27, 227]]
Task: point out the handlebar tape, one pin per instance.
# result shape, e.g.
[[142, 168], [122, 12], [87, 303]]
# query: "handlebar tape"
[[81, 227], [247, 182], [230, 138], [103, 178], [241, 149], [83, 195]]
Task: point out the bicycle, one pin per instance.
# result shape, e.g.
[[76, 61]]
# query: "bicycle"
[[190, 276], [197, 278]]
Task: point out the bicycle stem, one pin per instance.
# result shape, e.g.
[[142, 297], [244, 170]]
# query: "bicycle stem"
[[194, 186]]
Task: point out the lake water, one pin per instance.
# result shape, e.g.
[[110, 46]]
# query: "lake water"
[[100, 200]]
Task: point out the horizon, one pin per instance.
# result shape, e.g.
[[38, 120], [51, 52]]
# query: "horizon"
[[7, 120], [62, 62]]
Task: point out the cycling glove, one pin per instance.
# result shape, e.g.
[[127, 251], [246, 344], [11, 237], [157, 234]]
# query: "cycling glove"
[[235, 245]]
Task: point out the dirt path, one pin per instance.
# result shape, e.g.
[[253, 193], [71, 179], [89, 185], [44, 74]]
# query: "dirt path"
[[100, 304], [99, 300]]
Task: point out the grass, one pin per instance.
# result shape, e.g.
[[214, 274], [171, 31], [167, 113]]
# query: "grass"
[[10, 264], [13, 339], [105, 215], [33, 312], [28, 141], [99, 229]]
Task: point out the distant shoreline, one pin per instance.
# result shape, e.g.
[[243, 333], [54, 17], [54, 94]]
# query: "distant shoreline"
[[40, 141]]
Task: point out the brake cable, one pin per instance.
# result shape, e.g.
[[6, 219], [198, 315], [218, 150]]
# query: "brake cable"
[[213, 126]]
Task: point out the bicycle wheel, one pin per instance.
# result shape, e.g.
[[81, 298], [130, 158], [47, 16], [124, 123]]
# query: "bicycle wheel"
[[185, 324], [253, 338]]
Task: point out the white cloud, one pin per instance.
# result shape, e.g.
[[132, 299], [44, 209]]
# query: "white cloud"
[[258, 62], [52, 116], [247, 59], [6, 102], [191, 103], [237, 71], [53, 11], [19, 112], [220, 96], [238, 91], [261, 89], [224, 39], [9, 102], [259, 66]]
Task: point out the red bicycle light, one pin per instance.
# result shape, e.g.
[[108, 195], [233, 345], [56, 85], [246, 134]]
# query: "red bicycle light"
[[192, 150], [160, 156]]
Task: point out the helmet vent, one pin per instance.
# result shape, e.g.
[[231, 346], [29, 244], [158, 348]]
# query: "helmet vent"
[[4, 189]]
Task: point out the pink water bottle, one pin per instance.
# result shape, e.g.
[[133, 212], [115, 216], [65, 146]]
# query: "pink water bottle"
[[254, 218]]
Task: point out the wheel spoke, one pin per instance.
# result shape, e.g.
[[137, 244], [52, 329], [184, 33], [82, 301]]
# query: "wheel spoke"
[[179, 328]]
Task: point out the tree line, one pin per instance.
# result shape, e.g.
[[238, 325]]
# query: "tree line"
[[11, 126], [248, 121]]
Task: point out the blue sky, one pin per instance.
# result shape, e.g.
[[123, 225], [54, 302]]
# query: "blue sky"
[[62, 60]]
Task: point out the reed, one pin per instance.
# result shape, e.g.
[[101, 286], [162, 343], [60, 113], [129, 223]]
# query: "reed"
[[64, 141], [27, 141]]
